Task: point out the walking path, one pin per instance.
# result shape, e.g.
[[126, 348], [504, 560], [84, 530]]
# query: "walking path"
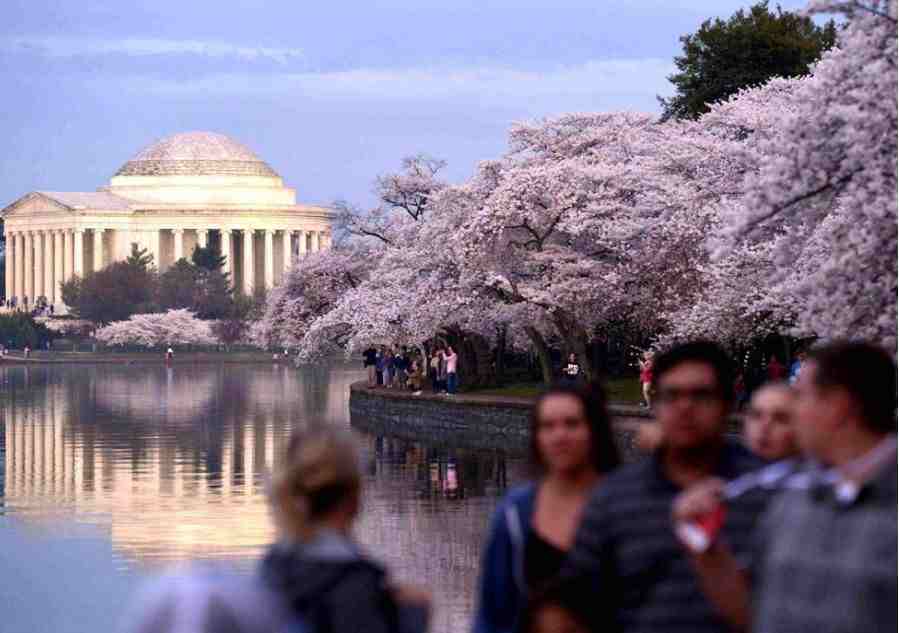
[[618, 409]]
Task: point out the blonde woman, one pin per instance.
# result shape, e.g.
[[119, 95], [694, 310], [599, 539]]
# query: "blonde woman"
[[316, 566]]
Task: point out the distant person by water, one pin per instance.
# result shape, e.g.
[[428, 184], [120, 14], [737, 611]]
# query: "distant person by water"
[[534, 526], [796, 367], [452, 367], [646, 365], [370, 361], [571, 373], [775, 369], [169, 355]]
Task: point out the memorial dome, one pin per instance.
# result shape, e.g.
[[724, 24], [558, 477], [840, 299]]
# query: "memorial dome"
[[196, 154]]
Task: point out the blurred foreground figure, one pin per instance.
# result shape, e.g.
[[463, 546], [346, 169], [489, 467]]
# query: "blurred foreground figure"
[[316, 566], [770, 423], [625, 546], [769, 429], [826, 556], [315, 579], [533, 528]]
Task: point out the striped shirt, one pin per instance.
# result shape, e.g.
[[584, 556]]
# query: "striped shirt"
[[627, 546]]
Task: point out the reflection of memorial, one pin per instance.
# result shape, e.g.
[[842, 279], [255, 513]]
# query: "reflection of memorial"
[[172, 462], [95, 450]]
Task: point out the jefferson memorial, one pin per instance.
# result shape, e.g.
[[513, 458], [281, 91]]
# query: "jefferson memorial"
[[187, 190]]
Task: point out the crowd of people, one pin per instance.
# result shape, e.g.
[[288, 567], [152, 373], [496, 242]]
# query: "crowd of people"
[[792, 531], [404, 369], [40, 307]]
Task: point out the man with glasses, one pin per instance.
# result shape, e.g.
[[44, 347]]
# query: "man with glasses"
[[626, 543]]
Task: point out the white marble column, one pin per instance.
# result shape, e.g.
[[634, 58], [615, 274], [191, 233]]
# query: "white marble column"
[[78, 254], [301, 239], [48, 265], [286, 252], [228, 253], [315, 243], [179, 243], [326, 241], [69, 257], [98, 249], [156, 249], [202, 238], [20, 266], [10, 286], [58, 273], [38, 264], [249, 267], [28, 289], [269, 259]]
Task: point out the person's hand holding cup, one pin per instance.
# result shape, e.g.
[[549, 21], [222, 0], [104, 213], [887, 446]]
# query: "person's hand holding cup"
[[698, 514]]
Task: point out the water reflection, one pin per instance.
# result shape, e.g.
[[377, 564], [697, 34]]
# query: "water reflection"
[[171, 463]]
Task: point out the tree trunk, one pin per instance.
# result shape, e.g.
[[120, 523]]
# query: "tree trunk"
[[500, 358], [542, 349]]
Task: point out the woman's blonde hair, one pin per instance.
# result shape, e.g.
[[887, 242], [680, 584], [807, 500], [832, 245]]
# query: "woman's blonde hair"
[[319, 471]]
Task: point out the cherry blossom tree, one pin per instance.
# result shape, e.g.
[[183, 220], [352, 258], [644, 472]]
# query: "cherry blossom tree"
[[827, 185], [175, 327]]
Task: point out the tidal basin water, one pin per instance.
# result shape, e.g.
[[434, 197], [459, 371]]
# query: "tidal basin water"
[[112, 473]]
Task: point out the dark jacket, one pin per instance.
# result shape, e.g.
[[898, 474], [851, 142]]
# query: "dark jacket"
[[331, 586], [502, 587], [370, 357]]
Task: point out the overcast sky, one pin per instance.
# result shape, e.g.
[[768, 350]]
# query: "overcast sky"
[[329, 94]]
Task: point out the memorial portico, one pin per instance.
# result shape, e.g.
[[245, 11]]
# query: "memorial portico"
[[188, 190]]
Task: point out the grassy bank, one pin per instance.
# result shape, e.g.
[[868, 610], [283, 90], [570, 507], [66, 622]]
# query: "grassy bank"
[[625, 390]]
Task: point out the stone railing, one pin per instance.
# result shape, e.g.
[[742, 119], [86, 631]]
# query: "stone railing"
[[490, 422]]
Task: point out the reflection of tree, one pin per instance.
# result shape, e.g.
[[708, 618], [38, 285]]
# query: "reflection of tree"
[[172, 457]]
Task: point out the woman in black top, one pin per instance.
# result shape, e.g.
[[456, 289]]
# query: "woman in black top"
[[534, 526]]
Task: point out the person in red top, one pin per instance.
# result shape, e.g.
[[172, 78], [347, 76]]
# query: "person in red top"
[[646, 378], [776, 371]]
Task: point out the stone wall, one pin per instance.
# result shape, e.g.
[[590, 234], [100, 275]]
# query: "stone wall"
[[475, 422]]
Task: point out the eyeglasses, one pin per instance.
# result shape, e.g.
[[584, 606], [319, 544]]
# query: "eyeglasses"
[[699, 395]]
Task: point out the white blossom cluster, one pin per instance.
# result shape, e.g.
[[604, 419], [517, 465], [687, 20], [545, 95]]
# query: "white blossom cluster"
[[175, 327]]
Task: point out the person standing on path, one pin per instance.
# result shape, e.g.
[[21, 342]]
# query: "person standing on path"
[[626, 545], [826, 555], [646, 378], [534, 526], [441, 371], [571, 373], [452, 365], [776, 371], [370, 359], [434, 371]]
